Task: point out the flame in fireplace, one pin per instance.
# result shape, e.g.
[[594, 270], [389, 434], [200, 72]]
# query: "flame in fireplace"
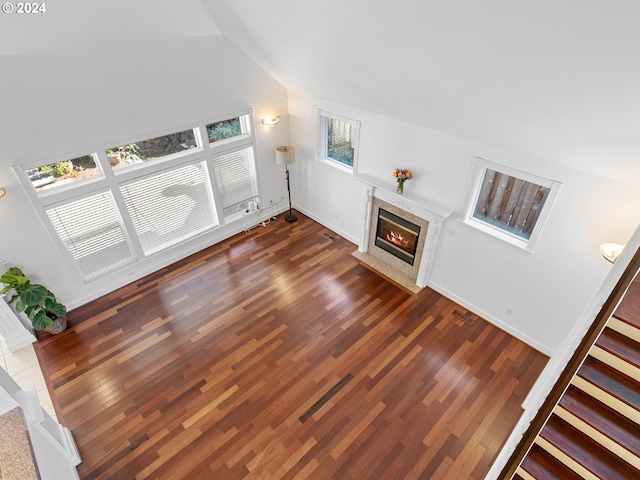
[[397, 239]]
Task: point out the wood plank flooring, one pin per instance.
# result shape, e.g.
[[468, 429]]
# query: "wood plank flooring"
[[276, 354]]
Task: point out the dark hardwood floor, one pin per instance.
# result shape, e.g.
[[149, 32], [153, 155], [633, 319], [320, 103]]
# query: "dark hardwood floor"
[[276, 354]]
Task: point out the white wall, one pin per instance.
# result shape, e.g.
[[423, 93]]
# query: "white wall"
[[58, 103], [545, 291]]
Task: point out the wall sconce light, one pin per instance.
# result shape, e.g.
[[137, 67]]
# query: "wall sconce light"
[[610, 251], [2, 192], [271, 121]]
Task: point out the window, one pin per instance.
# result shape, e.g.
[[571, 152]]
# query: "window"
[[338, 141], [509, 204], [129, 154], [226, 129], [63, 173], [169, 207], [236, 179], [97, 243], [156, 194]]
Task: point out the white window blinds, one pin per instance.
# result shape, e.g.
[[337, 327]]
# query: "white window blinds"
[[236, 177], [138, 208], [92, 232], [170, 207]]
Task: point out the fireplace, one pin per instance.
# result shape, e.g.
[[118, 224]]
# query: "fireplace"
[[397, 236], [400, 234]]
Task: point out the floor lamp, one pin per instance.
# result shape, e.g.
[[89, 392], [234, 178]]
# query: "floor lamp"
[[286, 156]]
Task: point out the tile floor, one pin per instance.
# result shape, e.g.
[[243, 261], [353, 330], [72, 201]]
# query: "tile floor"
[[23, 366]]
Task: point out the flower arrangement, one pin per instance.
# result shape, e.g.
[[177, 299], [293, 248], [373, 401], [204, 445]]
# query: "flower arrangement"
[[402, 175]]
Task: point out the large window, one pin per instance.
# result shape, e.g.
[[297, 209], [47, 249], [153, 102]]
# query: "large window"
[[338, 141], [145, 196], [170, 206], [93, 233], [509, 204]]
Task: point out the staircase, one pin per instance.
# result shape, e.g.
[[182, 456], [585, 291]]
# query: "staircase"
[[594, 430]]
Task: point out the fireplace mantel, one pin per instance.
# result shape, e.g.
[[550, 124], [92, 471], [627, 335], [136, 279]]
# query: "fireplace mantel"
[[386, 191], [428, 210]]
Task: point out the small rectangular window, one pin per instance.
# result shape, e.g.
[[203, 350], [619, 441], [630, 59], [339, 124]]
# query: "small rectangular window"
[[338, 140], [63, 173], [130, 154], [226, 129], [510, 205]]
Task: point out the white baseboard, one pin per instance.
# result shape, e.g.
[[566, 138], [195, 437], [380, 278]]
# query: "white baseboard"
[[321, 221], [490, 318]]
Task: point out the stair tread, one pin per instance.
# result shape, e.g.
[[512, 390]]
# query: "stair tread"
[[603, 418], [540, 464], [611, 380], [620, 345], [586, 451], [629, 309]]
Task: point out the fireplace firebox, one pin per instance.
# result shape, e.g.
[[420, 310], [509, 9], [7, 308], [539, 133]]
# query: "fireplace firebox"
[[397, 236]]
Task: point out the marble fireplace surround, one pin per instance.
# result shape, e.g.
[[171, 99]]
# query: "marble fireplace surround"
[[424, 213]]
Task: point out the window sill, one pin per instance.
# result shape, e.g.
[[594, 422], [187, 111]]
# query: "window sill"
[[340, 166], [518, 244]]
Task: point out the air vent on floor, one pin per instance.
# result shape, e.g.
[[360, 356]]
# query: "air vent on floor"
[[467, 319], [328, 236]]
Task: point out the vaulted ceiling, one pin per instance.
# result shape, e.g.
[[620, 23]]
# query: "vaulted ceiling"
[[555, 79]]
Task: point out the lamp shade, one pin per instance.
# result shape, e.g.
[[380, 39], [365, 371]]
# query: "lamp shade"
[[286, 155]]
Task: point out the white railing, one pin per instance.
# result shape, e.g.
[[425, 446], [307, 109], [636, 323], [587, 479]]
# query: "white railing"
[[53, 445]]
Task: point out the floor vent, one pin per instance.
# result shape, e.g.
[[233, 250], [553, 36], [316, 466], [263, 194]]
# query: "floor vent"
[[467, 319], [328, 236]]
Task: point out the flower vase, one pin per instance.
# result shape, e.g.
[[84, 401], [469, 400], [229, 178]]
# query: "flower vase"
[[400, 187]]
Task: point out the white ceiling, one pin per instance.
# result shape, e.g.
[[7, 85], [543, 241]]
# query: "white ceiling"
[[555, 79], [89, 24]]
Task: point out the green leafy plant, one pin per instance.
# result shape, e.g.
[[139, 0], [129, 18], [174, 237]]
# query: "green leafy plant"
[[223, 130], [36, 301], [126, 151], [64, 168], [47, 169]]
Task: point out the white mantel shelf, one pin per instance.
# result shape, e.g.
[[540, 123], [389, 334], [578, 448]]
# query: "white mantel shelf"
[[410, 202], [428, 210]]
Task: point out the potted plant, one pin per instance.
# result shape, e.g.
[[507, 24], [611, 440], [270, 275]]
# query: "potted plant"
[[37, 302], [113, 157]]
